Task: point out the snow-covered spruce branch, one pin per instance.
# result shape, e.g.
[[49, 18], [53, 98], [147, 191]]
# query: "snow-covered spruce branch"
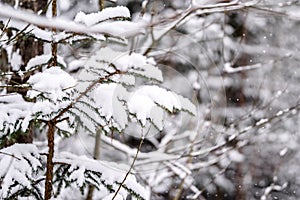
[[82, 171], [52, 126], [19, 165], [88, 89]]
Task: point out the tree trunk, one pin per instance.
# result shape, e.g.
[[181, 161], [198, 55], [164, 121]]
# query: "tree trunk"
[[49, 173]]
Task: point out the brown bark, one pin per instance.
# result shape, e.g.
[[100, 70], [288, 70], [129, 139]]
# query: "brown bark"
[[51, 123], [54, 44], [49, 172], [101, 4]]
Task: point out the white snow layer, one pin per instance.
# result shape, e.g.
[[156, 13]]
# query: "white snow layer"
[[53, 81], [17, 164], [105, 14], [42, 60], [133, 63], [13, 108], [108, 98], [167, 99], [144, 108], [146, 103], [16, 60]]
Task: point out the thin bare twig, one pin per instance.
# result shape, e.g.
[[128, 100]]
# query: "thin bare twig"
[[131, 166], [8, 154]]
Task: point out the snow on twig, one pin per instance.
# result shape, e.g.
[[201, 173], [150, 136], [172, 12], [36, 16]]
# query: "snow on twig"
[[116, 28]]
